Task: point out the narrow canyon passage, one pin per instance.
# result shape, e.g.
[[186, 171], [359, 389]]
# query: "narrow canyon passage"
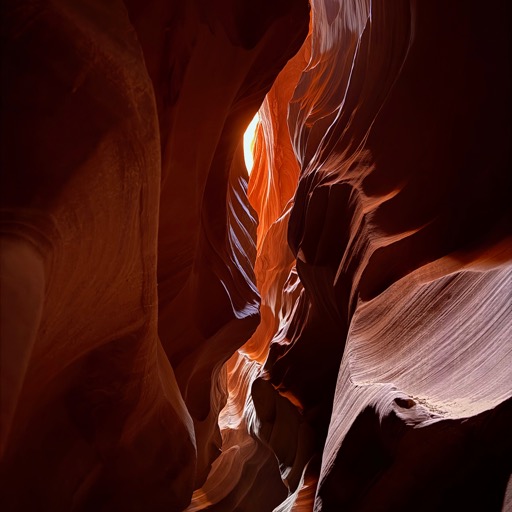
[[316, 316]]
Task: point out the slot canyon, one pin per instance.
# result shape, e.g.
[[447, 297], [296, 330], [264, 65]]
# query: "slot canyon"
[[328, 328]]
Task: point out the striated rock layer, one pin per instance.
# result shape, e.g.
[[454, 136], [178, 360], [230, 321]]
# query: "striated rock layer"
[[380, 370], [334, 333], [401, 233]]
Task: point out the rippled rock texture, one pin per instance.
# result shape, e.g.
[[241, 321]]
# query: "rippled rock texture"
[[332, 333]]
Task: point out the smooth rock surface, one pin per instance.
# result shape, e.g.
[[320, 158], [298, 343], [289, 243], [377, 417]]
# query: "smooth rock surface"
[[333, 332]]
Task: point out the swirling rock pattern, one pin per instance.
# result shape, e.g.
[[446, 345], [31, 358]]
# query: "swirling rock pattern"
[[332, 333]]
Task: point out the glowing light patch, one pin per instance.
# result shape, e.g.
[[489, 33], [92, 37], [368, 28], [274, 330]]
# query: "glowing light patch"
[[249, 139]]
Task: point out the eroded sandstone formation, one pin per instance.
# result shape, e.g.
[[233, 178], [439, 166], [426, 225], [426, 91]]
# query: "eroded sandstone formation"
[[332, 333]]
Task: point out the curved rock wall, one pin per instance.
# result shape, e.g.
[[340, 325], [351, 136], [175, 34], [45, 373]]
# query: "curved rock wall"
[[333, 333], [127, 240], [400, 230]]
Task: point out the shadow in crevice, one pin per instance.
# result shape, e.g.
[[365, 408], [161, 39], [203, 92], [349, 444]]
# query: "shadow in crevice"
[[448, 466]]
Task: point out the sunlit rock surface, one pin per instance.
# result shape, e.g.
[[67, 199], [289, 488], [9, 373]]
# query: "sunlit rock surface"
[[332, 333]]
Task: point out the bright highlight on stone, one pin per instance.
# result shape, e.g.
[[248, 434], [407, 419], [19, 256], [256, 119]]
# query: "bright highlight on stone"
[[249, 139], [333, 334]]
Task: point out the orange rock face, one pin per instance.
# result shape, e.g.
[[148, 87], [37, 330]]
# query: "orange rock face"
[[332, 333]]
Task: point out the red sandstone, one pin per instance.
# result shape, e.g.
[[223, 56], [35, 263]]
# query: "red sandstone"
[[332, 333]]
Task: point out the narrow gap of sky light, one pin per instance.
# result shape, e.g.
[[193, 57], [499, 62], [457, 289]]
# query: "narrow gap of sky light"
[[249, 139]]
